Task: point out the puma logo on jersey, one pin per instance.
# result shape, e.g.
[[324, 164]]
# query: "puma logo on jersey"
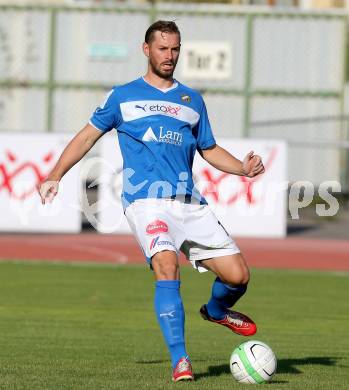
[[142, 108]]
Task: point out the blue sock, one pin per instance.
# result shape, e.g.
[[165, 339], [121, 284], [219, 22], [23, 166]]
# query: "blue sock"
[[223, 297], [170, 313]]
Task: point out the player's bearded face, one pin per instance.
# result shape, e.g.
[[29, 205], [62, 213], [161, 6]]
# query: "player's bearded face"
[[163, 53]]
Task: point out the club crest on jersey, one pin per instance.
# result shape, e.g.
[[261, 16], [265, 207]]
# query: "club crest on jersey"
[[186, 98], [167, 136], [157, 227]]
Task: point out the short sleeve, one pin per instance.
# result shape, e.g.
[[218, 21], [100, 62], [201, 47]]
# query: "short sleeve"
[[107, 116], [203, 130]]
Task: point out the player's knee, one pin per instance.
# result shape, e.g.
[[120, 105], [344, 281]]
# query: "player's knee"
[[165, 266], [166, 271], [237, 278], [244, 279]]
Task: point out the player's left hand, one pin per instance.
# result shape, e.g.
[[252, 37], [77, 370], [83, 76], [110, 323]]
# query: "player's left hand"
[[252, 165]]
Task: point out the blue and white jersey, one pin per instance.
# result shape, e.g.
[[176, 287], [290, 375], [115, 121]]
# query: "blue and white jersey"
[[159, 133]]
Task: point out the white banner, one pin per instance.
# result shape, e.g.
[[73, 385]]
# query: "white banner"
[[246, 207], [26, 159]]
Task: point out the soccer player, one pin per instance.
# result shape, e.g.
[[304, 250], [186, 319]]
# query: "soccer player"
[[161, 123]]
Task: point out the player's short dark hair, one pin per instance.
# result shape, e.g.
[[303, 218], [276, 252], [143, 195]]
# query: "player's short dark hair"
[[163, 26]]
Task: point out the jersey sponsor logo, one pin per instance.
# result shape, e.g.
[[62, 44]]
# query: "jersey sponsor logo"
[[156, 242], [143, 108], [149, 135], [156, 227], [172, 110], [167, 136], [153, 242], [170, 137]]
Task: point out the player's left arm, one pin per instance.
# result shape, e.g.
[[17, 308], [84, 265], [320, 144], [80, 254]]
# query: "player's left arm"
[[221, 159]]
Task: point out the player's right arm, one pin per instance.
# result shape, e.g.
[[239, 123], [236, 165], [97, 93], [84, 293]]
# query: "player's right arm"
[[74, 152]]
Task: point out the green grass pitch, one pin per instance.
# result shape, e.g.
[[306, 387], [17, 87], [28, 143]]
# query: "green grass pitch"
[[92, 327]]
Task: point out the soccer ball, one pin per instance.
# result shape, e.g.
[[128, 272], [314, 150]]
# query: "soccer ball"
[[253, 362]]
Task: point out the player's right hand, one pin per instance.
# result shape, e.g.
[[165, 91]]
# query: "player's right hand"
[[48, 189]]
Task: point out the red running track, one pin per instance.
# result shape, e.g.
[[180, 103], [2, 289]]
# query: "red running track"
[[314, 254]]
